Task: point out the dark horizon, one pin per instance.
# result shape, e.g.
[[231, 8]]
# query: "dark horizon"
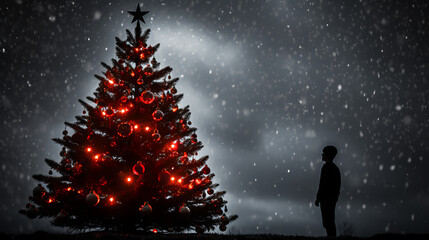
[[268, 84]]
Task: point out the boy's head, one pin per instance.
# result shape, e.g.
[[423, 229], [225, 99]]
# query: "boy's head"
[[329, 153]]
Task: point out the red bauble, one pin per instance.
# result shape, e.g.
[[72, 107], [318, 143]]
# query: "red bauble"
[[156, 136], [92, 198], [164, 177], [157, 115], [148, 71], [147, 97], [124, 99], [125, 129], [140, 81], [222, 227], [109, 112], [206, 170], [210, 191], [138, 168], [173, 90]]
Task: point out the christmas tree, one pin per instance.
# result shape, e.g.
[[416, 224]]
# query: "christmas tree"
[[131, 162]]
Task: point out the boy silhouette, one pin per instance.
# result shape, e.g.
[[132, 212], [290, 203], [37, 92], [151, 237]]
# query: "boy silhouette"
[[329, 190]]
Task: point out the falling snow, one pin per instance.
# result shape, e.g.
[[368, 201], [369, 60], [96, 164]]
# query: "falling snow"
[[269, 83]]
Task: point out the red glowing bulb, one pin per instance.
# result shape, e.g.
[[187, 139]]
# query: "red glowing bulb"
[[147, 128], [111, 81], [136, 126], [89, 149], [172, 179], [128, 179], [180, 180], [96, 157], [69, 189], [190, 186], [50, 200], [173, 146], [104, 113], [111, 199], [136, 49], [154, 230]]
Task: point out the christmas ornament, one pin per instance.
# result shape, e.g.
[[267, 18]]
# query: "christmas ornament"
[[156, 136], [153, 62], [164, 177], [184, 210], [65, 132], [222, 227], [147, 97], [32, 211], [210, 191], [206, 170], [39, 191], [125, 129], [112, 143], [157, 115], [138, 168], [92, 198], [148, 71], [84, 112], [50, 172], [146, 209], [140, 81], [124, 99], [224, 219], [173, 90], [109, 112]]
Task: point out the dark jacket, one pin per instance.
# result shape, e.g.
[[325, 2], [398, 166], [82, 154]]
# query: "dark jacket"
[[330, 182]]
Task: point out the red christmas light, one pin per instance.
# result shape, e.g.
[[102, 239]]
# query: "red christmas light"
[[69, 189], [147, 128], [180, 180], [154, 230], [173, 146], [129, 179], [136, 126], [172, 179], [96, 157], [50, 200], [111, 199], [89, 149], [111, 81]]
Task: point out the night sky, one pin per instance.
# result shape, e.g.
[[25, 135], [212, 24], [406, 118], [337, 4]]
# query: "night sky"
[[269, 84]]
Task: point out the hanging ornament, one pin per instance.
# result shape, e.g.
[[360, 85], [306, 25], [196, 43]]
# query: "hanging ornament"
[[206, 170], [157, 115], [138, 168], [210, 191], [222, 227], [109, 112], [164, 177], [140, 81], [112, 143], [84, 112], [124, 99], [148, 71], [226, 209], [92, 198], [121, 83], [32, 211], [224, 219], [200, 229], [156, 136], [173, 90], [50, 172], [169, 76], [125, 129], [39, 191], [147, 97], [184, 210], [189, 123], [146, 209], [65, 132]]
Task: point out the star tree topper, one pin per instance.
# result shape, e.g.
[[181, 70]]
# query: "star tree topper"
[[138, 15]]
